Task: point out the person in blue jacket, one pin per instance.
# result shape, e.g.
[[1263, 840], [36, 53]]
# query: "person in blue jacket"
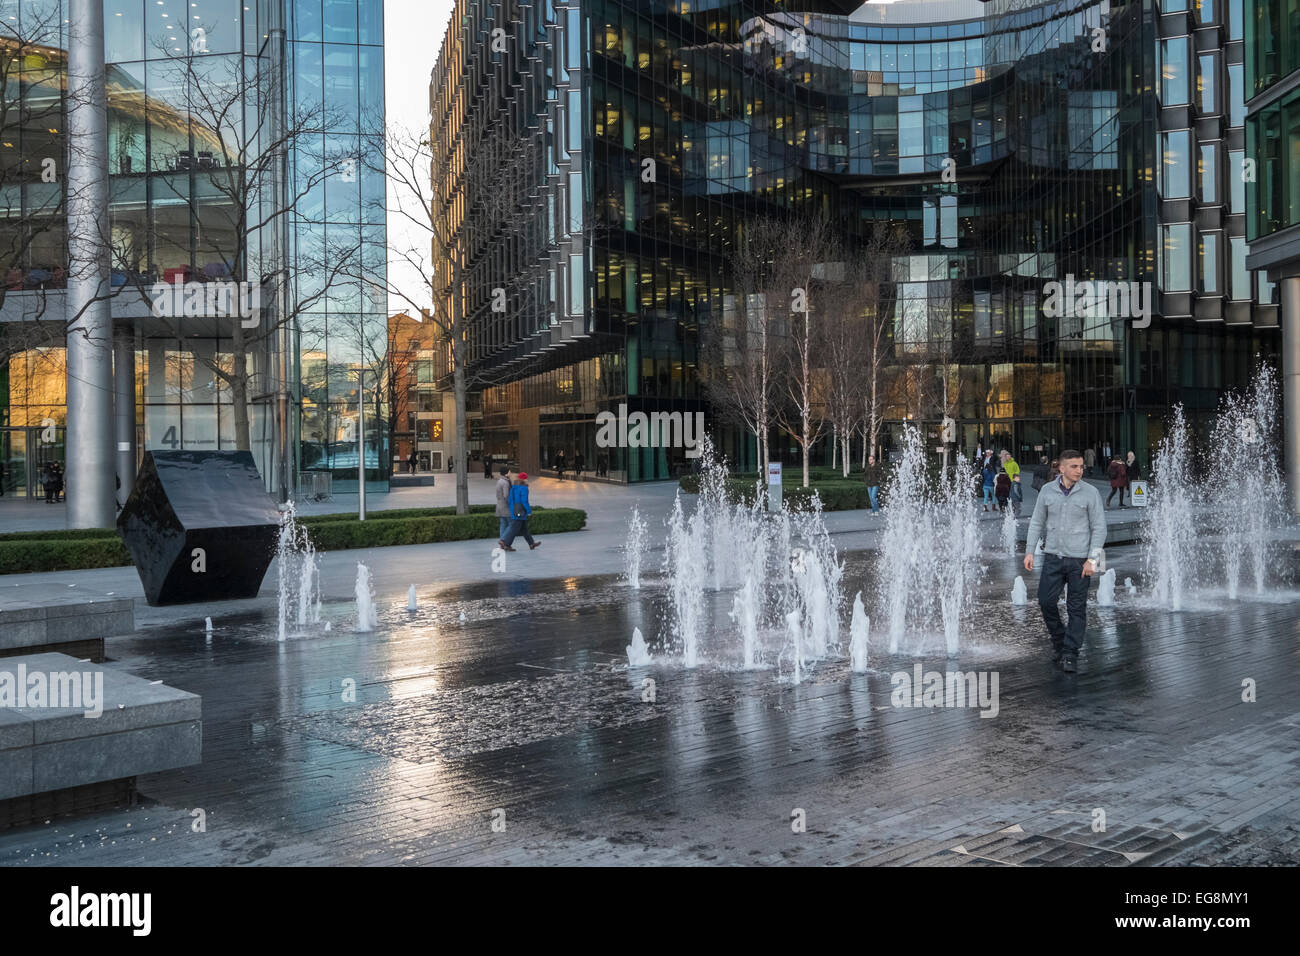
[[990, 478], [521, 511]]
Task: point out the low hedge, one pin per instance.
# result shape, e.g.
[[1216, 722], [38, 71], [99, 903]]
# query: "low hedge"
[[54, 554], [836, 495], [310, 520], [74, 550], [383, 532]]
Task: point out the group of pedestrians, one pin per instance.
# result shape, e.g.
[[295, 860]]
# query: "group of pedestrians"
[[560, 463], [513, 510], [1000, 481], [52, 482]]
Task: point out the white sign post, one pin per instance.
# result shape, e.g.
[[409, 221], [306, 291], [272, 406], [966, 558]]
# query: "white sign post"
[[1140, 495], [773, 486]]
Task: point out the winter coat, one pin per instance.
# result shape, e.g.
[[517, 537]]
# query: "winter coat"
[[1074, 524], [874, 475], [1003, 486], [503, 498], [990, 475], [518, 501], [1133, 472], [1118, 475]]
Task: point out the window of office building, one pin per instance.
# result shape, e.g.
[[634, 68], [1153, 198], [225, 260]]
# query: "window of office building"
[[1272, 42], [1207, 170], [1173, 71], [1273, 199], [1206, 78], [1209, 262], [1176, 257], [1175, 165]]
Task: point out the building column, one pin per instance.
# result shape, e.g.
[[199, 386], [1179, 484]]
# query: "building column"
[[1290, 321], [124, 408], [91, 469]]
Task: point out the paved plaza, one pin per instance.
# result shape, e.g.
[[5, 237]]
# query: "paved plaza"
[[500, 723]]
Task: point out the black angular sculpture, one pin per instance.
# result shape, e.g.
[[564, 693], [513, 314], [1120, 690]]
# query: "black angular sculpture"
[[208, 500]]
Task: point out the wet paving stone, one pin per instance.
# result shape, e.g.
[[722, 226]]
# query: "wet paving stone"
[[405, 745]]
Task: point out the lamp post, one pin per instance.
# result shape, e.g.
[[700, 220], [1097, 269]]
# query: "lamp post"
[[361, 443]]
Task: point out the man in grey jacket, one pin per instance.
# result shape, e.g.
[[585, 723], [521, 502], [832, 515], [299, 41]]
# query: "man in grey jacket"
[[1069, 510], [503, 495]]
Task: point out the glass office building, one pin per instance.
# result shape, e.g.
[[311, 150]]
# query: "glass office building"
[[1091, 141], [1272, 82], [201, 108]]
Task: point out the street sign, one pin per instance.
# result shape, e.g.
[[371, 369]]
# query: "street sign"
[[773, 486], [1140, 496]]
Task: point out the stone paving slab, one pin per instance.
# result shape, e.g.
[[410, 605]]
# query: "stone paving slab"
[[528, 707]]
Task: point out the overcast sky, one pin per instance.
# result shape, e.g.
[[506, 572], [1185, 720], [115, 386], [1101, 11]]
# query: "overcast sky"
[[413, 32]]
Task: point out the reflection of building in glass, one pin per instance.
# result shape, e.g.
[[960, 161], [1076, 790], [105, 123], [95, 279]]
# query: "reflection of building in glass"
[[192, 136], [1085, 143]]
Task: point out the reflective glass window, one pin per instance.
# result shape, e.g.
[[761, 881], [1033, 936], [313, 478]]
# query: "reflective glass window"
[[123, 30], [1173, 71]]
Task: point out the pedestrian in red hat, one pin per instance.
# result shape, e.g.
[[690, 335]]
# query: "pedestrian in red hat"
[[520, 511]]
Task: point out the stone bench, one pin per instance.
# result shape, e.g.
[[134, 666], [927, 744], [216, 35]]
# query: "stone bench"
[[47, 753], [68, 625]]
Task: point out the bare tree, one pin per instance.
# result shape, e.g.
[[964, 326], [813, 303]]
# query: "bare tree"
[[813, 257], [428, 254], [738, 353], [854, 346]]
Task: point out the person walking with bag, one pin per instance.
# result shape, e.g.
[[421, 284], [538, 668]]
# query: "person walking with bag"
[[520, 511], [1118, 476], [1070, 513], [503, 502]]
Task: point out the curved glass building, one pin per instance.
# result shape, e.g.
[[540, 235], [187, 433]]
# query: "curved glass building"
[[1030, 150]]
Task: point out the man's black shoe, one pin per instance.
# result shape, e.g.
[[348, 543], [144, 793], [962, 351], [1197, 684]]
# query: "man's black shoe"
[[1069, 663], [1056, 657]]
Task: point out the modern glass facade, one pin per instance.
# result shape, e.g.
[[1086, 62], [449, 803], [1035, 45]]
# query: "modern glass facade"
[[198, 110], [1089, 140], [1271, 77]]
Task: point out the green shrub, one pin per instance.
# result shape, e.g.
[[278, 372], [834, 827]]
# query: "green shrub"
[[383, 532], [61, 534], [836, 495], [20, 557], [309, 520], [29, 551]]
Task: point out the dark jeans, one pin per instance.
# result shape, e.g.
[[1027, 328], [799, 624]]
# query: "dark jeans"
[[1121, 491], [517, 527], [1058, 573]]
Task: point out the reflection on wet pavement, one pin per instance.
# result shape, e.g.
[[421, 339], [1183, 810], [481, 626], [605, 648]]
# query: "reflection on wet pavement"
[[397, 746]]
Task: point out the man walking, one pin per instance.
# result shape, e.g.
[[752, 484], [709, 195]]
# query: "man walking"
[[873, 475], [1070, 511], [503, 499]]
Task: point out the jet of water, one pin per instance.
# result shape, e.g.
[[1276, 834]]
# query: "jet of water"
[[859, 631], [365, 596]]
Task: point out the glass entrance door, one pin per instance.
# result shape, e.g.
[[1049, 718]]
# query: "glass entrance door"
[[13, 463]]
